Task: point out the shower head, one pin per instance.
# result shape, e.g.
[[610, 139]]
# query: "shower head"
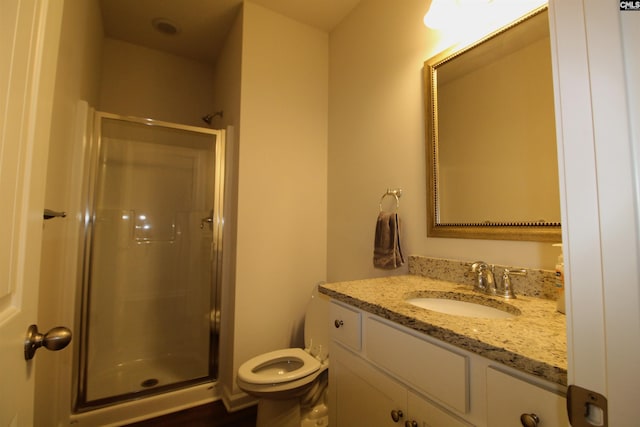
[[207, 119]]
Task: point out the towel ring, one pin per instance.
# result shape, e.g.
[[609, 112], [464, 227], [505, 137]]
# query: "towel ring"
[[396, 192]]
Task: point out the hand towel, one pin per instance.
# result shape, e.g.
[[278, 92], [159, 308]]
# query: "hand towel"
[[387, 252]]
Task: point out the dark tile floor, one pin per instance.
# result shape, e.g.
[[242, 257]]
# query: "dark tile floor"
[[210, 415]]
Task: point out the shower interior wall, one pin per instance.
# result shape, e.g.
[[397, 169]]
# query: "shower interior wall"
[[151, 284], [142, 82]]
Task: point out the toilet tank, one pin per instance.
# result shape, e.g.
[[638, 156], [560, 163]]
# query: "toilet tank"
[[316, 321]]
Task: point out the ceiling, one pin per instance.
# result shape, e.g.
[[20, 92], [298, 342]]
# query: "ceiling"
[[202, 25]]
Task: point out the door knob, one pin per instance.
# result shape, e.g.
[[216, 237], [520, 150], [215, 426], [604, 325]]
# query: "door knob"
[[56, 339], [396, 414], [529, 420]]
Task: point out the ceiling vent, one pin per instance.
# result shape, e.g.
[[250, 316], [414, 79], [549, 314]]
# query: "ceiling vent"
[[165, 26]]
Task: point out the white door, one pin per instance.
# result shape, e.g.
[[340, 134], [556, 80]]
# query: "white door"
[[29, 34], [597, 104]]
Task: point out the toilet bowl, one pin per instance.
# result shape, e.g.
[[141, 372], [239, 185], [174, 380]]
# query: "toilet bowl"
[[290, 383]]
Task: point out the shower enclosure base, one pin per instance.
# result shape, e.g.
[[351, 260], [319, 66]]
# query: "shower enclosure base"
[[143, 375], [149, 407]]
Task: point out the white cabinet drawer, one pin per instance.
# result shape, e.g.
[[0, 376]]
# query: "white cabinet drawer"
[[428, 368], [345, 326], [509, 397]]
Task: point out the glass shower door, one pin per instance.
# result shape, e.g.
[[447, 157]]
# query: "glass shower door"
[[151, 295]]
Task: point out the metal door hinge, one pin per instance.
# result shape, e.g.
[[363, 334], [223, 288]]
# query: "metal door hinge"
[[586, 408]]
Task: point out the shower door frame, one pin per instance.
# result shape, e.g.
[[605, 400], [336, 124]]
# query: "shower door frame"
[[92, 162]]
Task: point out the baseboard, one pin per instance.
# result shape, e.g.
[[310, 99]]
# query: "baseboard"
[[235, 402], [149, 407]]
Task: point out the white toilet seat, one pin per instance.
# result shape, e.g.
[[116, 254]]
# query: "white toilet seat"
[[282, 379], [279, 366]]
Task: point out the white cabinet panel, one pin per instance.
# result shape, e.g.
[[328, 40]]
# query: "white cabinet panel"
[[426, 367], [509, 397]]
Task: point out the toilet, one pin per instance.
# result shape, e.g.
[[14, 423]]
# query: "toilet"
[[291, 383]]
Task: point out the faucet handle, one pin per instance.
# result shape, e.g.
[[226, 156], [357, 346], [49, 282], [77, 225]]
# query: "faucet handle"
[[507, 287]]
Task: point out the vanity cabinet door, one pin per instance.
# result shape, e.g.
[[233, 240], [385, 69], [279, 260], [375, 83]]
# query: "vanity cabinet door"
[[424, 413], [362, 395], [508, 398]]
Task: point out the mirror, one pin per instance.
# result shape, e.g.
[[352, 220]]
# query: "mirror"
[[491, 145]]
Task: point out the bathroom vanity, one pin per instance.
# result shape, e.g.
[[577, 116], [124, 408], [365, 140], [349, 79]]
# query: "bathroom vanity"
[[393, 363]]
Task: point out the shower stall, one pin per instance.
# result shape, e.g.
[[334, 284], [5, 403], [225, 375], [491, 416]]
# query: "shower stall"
[[152, 260]]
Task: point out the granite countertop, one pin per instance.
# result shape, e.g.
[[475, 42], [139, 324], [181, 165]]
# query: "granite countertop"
[[533, 341]]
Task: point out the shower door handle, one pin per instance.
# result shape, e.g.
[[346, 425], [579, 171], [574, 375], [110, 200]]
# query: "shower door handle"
[[54, 340], [207, 220]]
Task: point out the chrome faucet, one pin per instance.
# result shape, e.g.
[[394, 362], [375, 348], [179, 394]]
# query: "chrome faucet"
[[486, 282], [485, 279]]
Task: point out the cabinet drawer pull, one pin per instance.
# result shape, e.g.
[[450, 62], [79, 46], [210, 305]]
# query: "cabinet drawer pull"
[[412, 423], [338, 323], [396, 415], [529, 420]]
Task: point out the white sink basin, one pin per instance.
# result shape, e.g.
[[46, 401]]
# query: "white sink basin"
[[460, 308]]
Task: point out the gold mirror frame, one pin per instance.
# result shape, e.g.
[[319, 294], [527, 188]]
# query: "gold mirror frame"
[[523, 231]]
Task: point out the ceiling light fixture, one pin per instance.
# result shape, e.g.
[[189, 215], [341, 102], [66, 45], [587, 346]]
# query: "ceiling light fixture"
[[440, 12], [469, 15]]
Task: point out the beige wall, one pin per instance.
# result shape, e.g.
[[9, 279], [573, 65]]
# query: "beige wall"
[[376, 134], [143, 82], [77, 80], [282, 181]]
